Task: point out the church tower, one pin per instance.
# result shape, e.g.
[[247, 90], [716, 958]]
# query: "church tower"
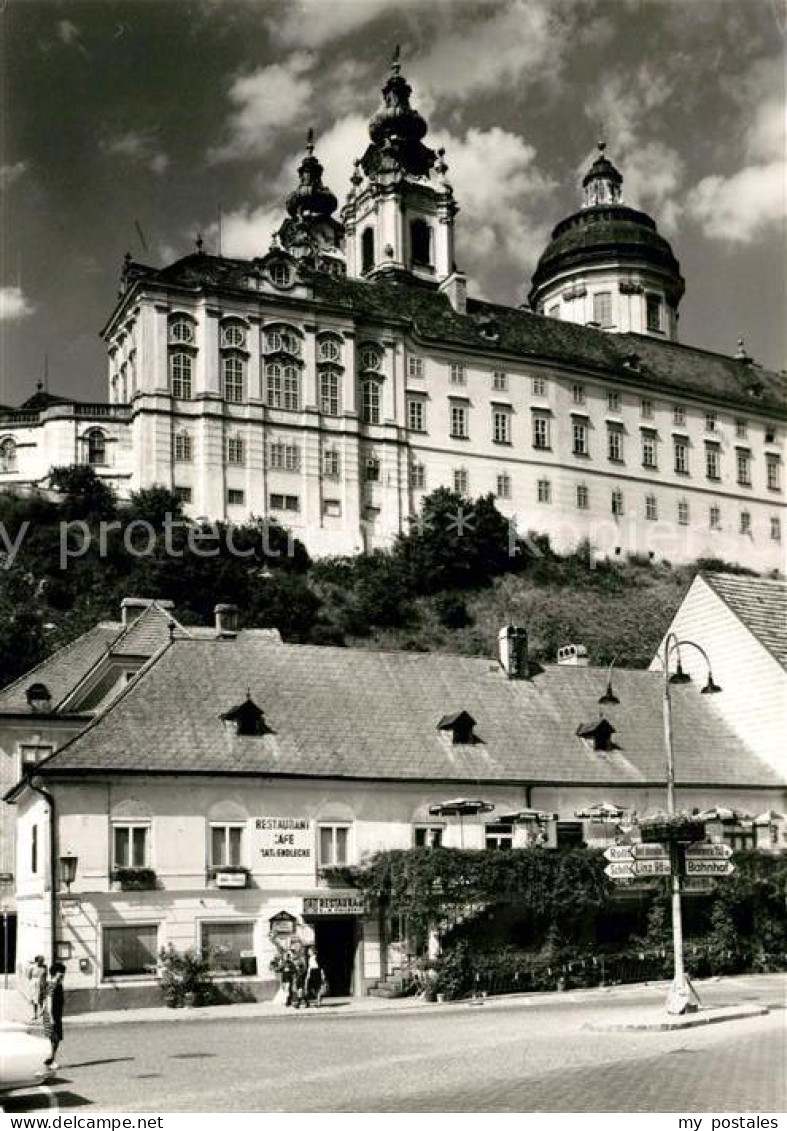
[[607, 265], [399, 214], [310, 232]]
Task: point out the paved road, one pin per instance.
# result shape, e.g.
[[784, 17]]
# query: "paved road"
[[523, 1056]]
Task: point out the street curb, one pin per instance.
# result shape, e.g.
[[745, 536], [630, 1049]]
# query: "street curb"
[[689, 1021]]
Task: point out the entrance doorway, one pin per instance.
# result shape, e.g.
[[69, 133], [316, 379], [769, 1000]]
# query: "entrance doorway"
[[335, 941]]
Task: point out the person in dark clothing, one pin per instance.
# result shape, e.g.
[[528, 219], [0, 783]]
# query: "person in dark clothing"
[[287, 978], [53, 1010], [314, 980]]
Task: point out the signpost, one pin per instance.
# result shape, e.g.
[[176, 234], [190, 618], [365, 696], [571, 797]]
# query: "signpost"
[[619, 852], [620, 870], [652, 868], [650, 852], [709, 867], [708, 852]]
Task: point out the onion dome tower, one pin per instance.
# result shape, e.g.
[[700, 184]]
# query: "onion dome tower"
[[607, 266], [310, 231], [399, 214]]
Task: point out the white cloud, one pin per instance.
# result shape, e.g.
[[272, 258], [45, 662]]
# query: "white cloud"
[[266, 101], [741, 208], [13, 304], [10, 174], [309, 24], [138, 147], [503, 197], [246, 231]]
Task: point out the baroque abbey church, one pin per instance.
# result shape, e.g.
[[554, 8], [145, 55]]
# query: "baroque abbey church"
[[333, 381]]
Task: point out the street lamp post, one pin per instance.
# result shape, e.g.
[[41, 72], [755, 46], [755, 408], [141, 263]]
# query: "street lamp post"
[[681, 994]]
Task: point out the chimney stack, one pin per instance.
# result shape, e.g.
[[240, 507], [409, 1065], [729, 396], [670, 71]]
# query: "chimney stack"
[[226, 620], [512, 651]]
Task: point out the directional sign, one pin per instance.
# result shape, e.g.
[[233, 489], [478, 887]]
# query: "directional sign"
[[650, 852], [618, 852], [708, 852], [652, 868], [709, 867], [619, 870], [691, 884]]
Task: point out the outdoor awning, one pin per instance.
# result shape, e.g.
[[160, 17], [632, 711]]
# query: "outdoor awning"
[[460, 807]]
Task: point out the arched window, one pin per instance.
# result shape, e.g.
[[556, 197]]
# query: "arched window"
[[367, 250], [370, 390], [181, 330], [329, 349], [233, 335], [371, 358], [282, 339], [180, 368], [232, 370], [330, 391], [96, 447], [8, 455], [420, 243], [284, 387]]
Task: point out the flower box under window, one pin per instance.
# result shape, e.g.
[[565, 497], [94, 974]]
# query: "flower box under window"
[[134, 879]]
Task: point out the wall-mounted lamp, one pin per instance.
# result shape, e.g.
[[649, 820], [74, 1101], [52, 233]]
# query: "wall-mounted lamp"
[[68, 870]]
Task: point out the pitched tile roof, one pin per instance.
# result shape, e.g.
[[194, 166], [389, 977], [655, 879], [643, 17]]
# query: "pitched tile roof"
[[760, 603], [339, 712], [150, 631], [431, 317], [64, 669]]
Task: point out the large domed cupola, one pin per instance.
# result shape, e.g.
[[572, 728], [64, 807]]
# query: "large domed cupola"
[[400, 210], [310, 230], [607, 266]]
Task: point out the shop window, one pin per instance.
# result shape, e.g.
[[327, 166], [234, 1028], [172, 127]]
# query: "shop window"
[[226, 943], [130, 951], [499, 835]]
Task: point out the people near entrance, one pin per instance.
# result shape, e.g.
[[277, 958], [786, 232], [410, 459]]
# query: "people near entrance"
[[53, 1011], [298, 997], [37, 984], [287, 973], [315, 980]]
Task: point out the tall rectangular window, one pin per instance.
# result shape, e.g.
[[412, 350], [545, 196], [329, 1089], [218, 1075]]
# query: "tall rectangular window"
[[331, 463], [539, 387], [741, 429], [235, 453], [579, 433], [501, 427], [183, 447], [583, 497], [649, 458], [681, 457], [232, 366], [646, 408], [578, 394], [776, 529], [504, 486], [333, 845], [499, 381], [370, 402], [617, 502], [613, 402], [459, 415], [712, 461], [130, 845], [683, 513], [541, 433], [651, 508], [416, 414], [743, 465], [615, 445], [678, 415], [371, 469], [226, 846], [653, 315], [745, 527], [602, 308], [34, 850], [711, 421], [544, 491], [773, 472], [461, 481], [329, 392], [418, 476], [715, 518]]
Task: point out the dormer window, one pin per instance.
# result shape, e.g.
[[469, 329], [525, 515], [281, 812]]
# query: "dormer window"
[[461, 727], [246, 720], [371, 359], [597, 735], [329, 349], [280, 274]]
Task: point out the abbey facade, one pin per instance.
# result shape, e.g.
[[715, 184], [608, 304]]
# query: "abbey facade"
[[336, 379]]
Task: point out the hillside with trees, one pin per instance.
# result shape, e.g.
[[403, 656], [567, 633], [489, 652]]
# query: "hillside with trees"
[[70, 554]]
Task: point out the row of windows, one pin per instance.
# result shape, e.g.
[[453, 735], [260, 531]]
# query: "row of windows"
[[283, 339], [602, 310]]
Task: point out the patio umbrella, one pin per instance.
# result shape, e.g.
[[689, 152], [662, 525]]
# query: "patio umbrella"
[[770, 817], [603, 811], [461, 807]]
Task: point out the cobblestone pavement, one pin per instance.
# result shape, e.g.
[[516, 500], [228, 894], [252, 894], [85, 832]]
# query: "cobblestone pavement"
[[531, 1057]]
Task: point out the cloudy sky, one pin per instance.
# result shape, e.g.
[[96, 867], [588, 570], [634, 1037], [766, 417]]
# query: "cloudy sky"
[[129, 122]]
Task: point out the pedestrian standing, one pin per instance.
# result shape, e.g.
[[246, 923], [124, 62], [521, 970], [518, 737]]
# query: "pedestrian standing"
[[314, 980], [299, 981], [37, 984], [53, 1011], [287, 977]]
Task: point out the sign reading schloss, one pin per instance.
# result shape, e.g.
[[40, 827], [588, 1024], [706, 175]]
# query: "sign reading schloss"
[[284, 844]]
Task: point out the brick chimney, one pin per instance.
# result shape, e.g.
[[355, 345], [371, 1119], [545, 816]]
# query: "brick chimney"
[[226, 620], [512, 651]]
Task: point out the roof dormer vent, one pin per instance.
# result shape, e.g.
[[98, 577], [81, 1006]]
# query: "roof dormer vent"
[[461, 727], [597, 735], [246, 720]]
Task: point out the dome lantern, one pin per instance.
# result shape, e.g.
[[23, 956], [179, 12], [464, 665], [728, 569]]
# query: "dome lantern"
[[602, 184]]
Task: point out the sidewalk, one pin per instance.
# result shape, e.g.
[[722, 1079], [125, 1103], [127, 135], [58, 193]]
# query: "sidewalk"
[[631, 1015]]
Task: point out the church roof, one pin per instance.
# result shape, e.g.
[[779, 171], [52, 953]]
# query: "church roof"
[[354, 713], [519, 333]]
